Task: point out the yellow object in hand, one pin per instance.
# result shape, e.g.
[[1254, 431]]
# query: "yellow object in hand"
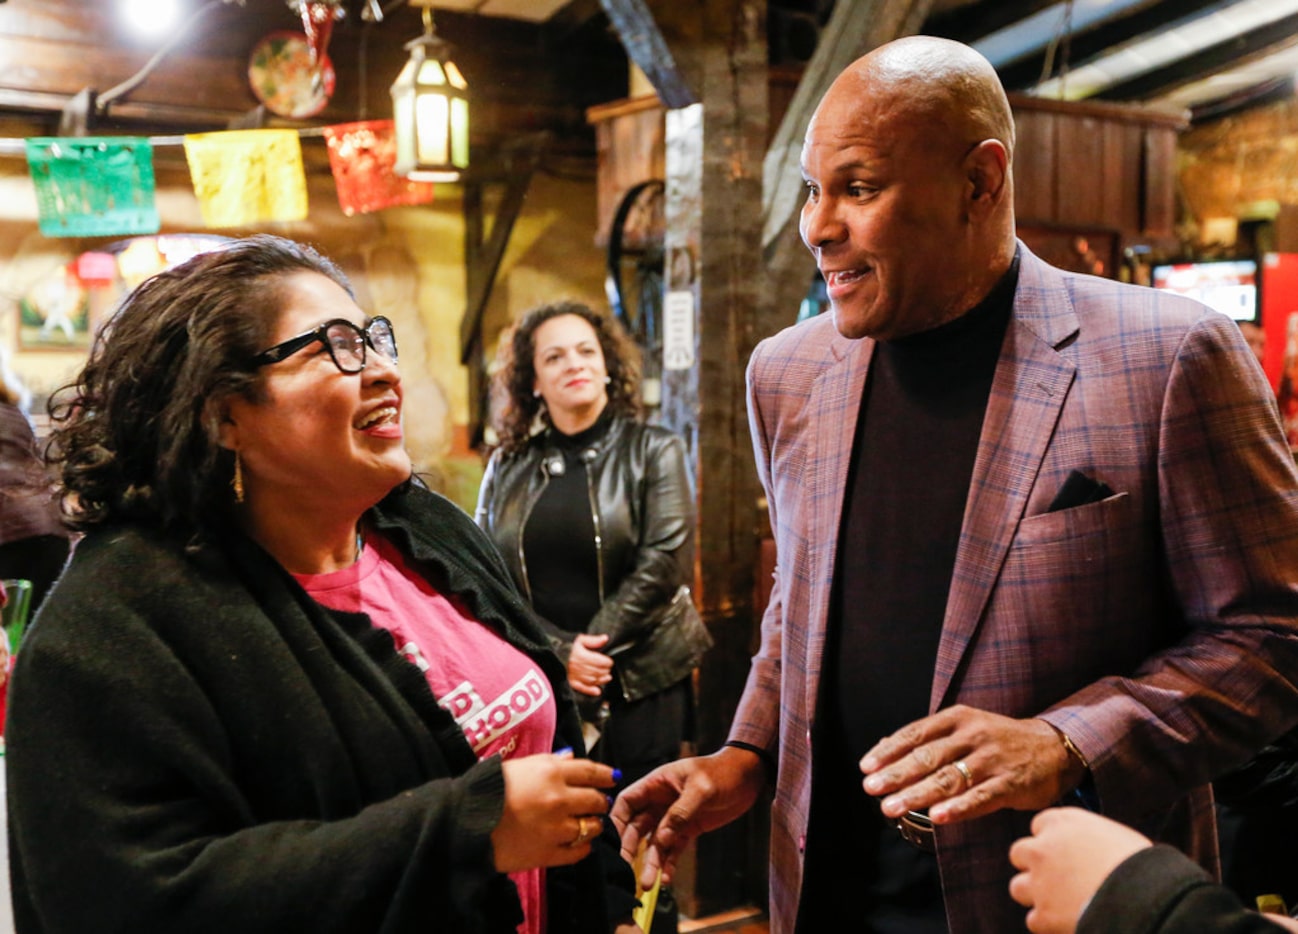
[[644, 915]]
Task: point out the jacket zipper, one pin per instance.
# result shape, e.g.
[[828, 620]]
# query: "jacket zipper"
[[589, 458], [522, 526]]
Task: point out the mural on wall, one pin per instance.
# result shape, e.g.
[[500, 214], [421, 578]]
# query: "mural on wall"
[[63, 308], [54, 314]]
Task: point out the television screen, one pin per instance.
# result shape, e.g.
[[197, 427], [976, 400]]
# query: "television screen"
[[1229, 286]]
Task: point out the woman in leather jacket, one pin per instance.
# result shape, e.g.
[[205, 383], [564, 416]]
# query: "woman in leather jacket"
[[594, 515]]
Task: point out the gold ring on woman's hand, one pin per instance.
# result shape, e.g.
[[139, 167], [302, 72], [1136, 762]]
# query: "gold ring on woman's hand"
[[965, 773], [582, 834]]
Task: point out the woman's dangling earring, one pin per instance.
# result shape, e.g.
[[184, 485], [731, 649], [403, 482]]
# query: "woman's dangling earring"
[[236, 482]]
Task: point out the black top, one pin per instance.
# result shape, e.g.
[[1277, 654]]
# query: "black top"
[[559, 538], [912, 460]]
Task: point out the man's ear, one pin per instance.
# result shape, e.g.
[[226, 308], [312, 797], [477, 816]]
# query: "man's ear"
[[987, 167]]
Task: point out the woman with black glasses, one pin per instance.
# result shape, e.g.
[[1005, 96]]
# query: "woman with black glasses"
[[280, 687]]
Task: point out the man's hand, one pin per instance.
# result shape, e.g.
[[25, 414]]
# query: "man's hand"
[[675, 803], [1061, 866], [962, 763], [589, 670]]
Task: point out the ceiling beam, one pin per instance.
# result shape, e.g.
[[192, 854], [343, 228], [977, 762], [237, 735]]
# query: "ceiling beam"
[[1090, 44], [1270, 91], [647, 47], [973, 21], [1204, 62]]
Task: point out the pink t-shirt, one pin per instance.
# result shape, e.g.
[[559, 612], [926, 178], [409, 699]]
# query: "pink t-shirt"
[[497, 694]]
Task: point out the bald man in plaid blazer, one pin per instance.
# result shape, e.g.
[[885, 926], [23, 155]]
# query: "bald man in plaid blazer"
[[1132, 644]]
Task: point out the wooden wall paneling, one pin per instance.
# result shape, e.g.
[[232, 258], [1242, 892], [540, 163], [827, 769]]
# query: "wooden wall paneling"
[[1120, 187], [1034, 161], [201, 81], [1091, 166], [1158, 202], [1079, 169]]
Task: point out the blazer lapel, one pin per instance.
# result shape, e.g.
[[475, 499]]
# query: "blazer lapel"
[[1031, 382], [834, 407]]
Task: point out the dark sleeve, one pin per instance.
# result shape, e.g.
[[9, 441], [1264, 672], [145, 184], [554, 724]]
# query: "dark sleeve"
[[487, 490], [1161, 891], [130, 809], [665, 556]]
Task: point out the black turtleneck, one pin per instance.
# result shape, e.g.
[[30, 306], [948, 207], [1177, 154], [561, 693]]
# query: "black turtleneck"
[[912, 460], [559, 538]]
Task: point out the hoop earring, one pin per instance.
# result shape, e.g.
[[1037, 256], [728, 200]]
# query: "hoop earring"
[[236, 483]]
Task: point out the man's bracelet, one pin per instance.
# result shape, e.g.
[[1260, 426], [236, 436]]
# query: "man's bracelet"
[[1084, 795], [1072, 749], [768, 760]]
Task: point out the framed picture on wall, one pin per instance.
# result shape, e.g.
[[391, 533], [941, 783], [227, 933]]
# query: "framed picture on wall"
[[54, 314], [1087, 250]]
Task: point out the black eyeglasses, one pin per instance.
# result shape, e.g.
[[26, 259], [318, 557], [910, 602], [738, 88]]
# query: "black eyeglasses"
[[345, 341]]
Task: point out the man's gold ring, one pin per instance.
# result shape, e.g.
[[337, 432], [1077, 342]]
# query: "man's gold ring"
[[582, 834], [967, 775]]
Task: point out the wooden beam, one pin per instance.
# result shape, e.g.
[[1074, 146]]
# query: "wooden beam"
[[513, 166], [1089, 44], [645, 45], [972, 21], [853, 29], [1259, 95], [1205, 62], [520, 74], [482, 256], [713, 284]]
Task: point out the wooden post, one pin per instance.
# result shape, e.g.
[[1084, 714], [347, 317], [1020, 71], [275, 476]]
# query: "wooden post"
[[716, 86]]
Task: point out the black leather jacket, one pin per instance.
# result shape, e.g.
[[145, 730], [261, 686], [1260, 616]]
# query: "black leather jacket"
[[643, 511]]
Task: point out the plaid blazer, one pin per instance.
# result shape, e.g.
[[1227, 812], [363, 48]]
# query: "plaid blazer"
[[1157, 627]]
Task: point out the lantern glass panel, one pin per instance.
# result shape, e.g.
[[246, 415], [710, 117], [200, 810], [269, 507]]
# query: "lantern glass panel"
[[430, 72], [460, 132], [431, 120]]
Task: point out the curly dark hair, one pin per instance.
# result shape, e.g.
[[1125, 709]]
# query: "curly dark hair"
[[518, 376], [135, 437]]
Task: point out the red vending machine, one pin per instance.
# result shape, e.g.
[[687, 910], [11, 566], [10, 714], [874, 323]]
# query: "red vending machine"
[[1279, 305]]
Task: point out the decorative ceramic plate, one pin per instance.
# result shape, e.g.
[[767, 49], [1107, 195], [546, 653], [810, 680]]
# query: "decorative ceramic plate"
[[281, 76]]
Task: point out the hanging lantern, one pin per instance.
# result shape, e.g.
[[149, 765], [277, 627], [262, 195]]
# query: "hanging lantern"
[[430, 107]]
